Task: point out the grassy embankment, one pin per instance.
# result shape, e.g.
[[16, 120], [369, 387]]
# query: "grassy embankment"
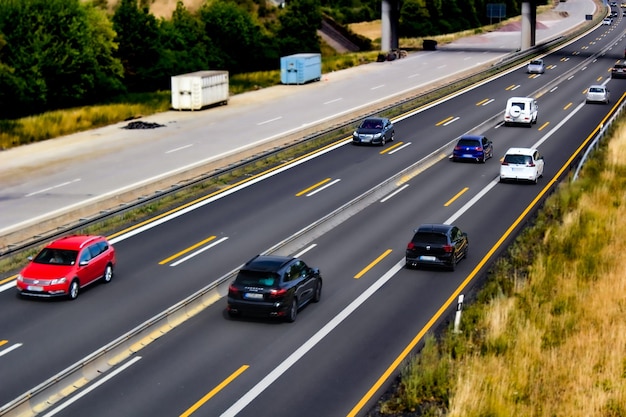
[[547, 335]]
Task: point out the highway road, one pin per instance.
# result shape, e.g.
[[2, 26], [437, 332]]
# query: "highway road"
[[331, 360], [45, 180]]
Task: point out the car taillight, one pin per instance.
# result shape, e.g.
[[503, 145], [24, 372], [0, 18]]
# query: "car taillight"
[[457, 148], [530, 164], [448, 248], [278, 293], [504, 163], [410, 246], [233, 290], [479, 149]]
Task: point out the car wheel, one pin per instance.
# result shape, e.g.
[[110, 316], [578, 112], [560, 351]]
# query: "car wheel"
[[317, 295], [108, 274], [73, 292], [233, 314], [293, 311], [453, 263]]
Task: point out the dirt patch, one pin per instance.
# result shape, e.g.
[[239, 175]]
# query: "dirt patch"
[[371, 30]]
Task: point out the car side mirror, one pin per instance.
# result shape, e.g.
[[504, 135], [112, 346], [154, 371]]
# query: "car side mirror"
[[83, 263]]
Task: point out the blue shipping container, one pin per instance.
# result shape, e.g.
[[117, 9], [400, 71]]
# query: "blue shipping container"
[[300, 68]]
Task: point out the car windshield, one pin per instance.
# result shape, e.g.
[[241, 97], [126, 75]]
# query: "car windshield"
[[596, 90], [257, 278], [371, 124], [518, 159], [56, 257], [430, 237], [468, 142]]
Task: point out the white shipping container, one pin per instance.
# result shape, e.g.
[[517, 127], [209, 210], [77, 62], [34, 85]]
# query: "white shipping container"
[[199, 89]]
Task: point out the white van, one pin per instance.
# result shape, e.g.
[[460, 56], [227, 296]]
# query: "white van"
[[520, 110]]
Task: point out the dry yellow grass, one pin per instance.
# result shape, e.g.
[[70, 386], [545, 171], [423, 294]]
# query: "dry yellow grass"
[[371, 30], [164, 8], [567, 353]]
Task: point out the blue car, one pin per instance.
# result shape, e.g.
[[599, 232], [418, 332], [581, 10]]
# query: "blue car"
[[473, 147]]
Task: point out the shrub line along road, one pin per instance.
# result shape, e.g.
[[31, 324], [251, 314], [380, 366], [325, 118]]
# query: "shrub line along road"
[[53, 183]]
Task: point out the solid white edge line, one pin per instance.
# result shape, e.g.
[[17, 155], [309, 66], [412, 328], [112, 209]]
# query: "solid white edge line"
[[92, 387], [309, 344]]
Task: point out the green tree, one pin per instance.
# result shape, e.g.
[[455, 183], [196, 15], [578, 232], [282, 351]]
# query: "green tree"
[[185, 45], [138, 38], [240, 39], [57, 54], [298, 27]]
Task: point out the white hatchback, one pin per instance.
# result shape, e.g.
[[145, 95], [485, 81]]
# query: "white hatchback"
[[521, 164]]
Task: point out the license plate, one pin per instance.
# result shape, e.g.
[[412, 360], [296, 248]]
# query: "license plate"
[[34, 288], [428, 258], [253, 296]]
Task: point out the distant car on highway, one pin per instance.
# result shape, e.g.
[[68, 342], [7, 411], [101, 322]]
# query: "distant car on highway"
[[521, 164], [473, 147], [598, 94], [274, 286], [437, 245], [618, 70], [536, 66], [374, 131], [66, 265], [607, 21]]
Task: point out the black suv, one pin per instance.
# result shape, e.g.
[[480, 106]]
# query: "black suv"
[[274, 286], [437, 244], [619, 70]]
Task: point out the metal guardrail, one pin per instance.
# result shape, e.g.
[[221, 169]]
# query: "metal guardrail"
[[390, 109], [602, 132], [80, 374]]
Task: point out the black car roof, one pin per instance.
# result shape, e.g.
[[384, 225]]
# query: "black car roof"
[[432, 227], [267, 263]]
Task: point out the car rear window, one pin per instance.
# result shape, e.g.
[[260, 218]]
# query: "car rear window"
[[469, 142], [257, 278], [521, 105], [430, 237], [517, 159]]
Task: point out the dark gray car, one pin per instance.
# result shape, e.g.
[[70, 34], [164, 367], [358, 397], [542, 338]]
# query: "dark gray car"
[[274, 286], [374, 131], [438, 245]]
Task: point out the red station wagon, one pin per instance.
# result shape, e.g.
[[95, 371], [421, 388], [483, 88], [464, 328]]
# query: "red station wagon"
[[66, 265]]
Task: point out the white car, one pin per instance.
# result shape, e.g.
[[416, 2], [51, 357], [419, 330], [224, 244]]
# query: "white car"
[[521, 111], [598, 94], [521, 164], [607, 21], [536, 66]]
